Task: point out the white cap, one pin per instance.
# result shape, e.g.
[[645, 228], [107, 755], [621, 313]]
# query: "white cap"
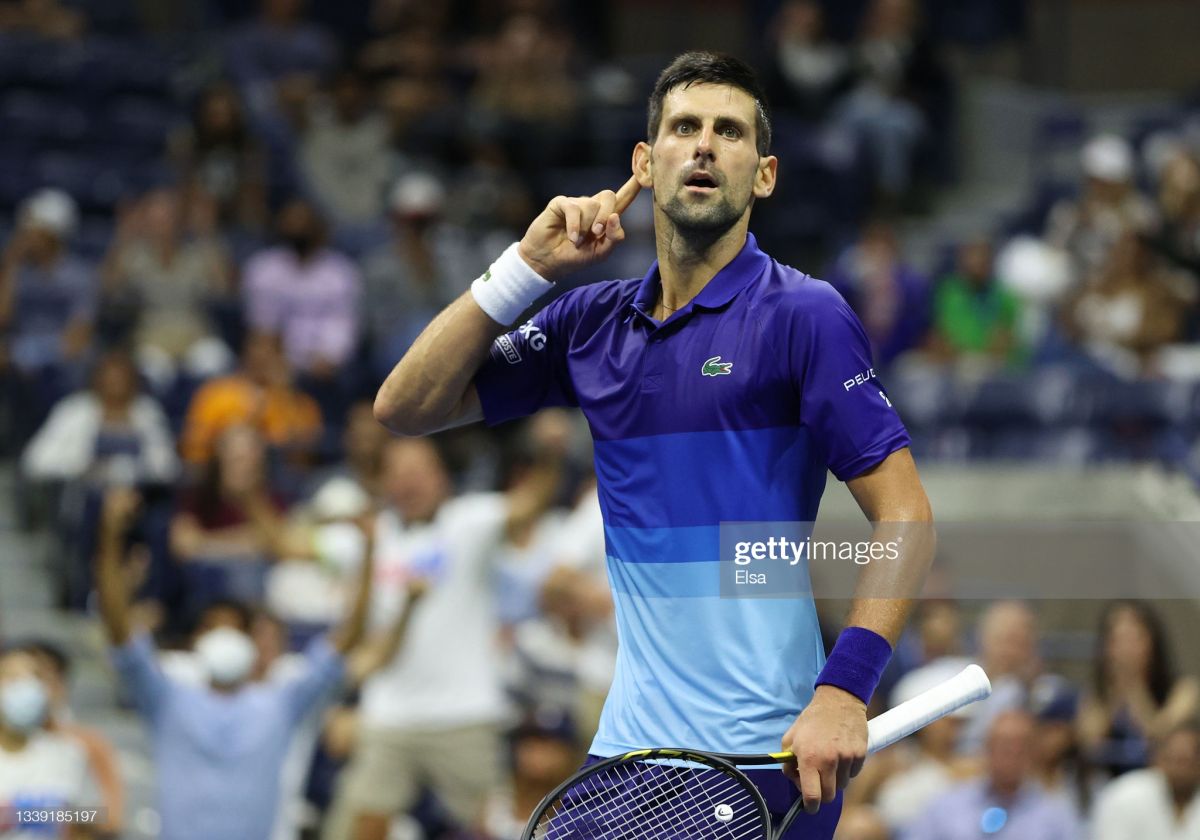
[[51, 210], [418, 194], [1108, 158], [340, 498]]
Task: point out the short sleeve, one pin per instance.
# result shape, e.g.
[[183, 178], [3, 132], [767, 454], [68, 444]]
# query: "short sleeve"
[[527, 368], [843, 403]]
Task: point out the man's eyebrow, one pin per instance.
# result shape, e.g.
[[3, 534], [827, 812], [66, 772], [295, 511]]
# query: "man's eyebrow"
[[720, 119]]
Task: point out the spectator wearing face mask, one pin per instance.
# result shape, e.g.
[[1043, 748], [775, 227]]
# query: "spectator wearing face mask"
[[219, 748], [39, 770], [306, 293], [54, 670]]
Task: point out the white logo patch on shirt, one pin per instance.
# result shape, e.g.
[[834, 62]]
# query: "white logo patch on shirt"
[[511, 354]]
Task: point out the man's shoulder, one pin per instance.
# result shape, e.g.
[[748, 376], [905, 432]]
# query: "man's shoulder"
[[603, 295], [1132, 787], [791, 290]]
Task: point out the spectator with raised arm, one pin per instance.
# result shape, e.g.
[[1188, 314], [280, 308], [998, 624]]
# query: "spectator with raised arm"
[[442, 694], [219, 748]]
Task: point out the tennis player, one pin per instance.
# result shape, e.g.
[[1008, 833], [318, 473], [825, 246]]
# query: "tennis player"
[[719, 387]]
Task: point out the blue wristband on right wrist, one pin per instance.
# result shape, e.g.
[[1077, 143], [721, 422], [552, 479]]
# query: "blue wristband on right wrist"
[[856, 662]]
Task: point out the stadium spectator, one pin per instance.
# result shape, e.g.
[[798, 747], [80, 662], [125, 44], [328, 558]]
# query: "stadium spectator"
[[577, 605], [442, 694], [362, 453], [426, 264], [889, 296], [344, 154], [525, 91], [48, 301], [168, 265], [917, 777], [229, 521], [900, 85], [307, 293], [1054, 702], [1006, 798], [1008, 652], [43, 18], [1162, 801], [39, 769], [543, 750], [1109, 207], [109, 433], [809, 70], [1178, 235], [974, 317], [1131, 310], [220, 749], [54, 670], [1135, 695], [277, 60], [217, 155], [259, 394]]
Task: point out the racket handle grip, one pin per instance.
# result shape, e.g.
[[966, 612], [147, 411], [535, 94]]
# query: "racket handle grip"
[[969, 685]]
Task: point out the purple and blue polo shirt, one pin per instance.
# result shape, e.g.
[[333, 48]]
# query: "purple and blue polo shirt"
[[732, 409]]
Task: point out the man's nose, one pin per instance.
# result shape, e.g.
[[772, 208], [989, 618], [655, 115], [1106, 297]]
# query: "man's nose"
[[704, 148]]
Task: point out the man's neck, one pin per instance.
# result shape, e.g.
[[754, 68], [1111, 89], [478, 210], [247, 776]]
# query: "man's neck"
[[688, 261]]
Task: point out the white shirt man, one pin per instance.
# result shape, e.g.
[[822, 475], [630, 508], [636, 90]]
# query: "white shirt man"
[[1160, 802]]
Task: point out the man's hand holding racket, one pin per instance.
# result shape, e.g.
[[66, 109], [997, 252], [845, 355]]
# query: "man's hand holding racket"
[[829, 740], [573, 232]]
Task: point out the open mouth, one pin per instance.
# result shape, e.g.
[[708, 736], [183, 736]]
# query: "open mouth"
[[700, 181]]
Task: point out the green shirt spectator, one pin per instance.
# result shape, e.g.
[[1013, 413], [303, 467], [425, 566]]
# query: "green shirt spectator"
[[973, 314]]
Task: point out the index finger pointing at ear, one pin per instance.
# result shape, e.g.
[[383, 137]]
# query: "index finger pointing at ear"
[[626, 194]]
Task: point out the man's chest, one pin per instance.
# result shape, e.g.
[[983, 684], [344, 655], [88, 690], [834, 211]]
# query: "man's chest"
[[713, 371]]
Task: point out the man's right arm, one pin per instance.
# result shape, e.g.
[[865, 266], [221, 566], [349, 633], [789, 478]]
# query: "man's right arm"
[[431, 388]]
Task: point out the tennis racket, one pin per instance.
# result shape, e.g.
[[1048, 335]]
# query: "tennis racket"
[[678, 794]]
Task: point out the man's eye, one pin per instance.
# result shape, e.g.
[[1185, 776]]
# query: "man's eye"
[[684, 128], [731, 133]]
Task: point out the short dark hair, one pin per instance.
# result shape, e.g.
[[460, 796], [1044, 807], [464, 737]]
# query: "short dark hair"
[[699, 67]]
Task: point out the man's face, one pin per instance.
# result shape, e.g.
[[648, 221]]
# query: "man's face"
[[704, 163], [414, 478], [1009, 751]]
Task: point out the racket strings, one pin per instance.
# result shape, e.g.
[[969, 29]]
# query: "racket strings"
[[652, 800]]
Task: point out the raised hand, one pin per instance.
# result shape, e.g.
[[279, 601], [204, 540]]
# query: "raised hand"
[[573, 232]]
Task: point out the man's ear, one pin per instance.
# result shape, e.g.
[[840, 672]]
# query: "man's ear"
[[764, 178], [643, 169]]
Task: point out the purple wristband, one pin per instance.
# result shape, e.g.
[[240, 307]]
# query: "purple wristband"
[[856, 662]]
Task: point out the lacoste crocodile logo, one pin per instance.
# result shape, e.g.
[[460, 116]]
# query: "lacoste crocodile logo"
[[715, 367]]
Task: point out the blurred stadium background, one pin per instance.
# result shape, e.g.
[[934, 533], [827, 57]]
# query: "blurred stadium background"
[[222, 222]]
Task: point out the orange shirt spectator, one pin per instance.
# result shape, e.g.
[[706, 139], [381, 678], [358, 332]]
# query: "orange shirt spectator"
[[259, 395]]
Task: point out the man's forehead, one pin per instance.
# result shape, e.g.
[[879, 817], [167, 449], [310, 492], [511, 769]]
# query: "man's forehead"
[[710, 99]]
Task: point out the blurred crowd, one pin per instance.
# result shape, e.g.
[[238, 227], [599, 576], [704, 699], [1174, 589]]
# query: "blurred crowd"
[[205, 277]]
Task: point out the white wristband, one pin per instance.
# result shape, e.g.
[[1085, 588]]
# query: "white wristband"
[[509, 287]]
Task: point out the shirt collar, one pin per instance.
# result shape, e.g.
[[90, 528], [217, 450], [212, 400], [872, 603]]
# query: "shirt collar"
[[746, 266]]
